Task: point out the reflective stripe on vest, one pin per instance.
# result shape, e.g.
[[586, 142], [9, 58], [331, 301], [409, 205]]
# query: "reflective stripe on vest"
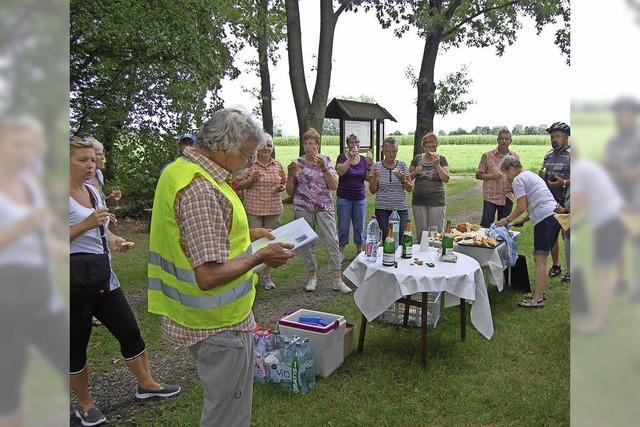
[[182, 274], [202, 301]]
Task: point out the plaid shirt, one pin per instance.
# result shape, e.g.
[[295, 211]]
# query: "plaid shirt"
[[262, 198], [495, 190], [203, 215]]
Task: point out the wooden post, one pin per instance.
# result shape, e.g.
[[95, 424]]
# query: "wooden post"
[[363, 329], [463, 320], [405, 318], [342, 135], [423, 329]]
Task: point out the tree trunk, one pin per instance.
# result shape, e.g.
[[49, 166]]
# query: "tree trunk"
[[265, 78], [311, 113], [296, 65], [426, 107]]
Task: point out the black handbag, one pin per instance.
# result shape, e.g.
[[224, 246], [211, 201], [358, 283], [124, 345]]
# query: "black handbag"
[[91, 273], [519, 275]]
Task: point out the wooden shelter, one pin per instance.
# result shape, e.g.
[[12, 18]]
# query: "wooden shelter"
[[363, 119]]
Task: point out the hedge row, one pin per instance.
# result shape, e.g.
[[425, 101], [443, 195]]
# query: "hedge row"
[[285, 141]]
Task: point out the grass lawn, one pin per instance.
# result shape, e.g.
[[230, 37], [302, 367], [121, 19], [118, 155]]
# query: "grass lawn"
[[519, 377], [463, 159]]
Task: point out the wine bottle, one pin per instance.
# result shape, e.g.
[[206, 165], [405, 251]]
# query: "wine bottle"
[[389, 250], [407, 241]]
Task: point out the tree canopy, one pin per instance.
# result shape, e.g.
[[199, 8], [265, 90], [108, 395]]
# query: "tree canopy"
[[155, 65]]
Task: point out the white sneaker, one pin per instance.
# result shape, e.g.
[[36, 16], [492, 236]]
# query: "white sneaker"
[[311, 284], [340, 286]]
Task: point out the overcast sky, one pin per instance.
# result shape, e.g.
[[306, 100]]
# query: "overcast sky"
[[529, 84]]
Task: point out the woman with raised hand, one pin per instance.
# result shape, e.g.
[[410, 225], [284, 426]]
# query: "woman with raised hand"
[[95, 290], [262, 200], [389, 179], [430, 172], [351, 200], [310, 181]]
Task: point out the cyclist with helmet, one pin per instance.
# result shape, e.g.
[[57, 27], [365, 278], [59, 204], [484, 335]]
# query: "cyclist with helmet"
[[556, 173]]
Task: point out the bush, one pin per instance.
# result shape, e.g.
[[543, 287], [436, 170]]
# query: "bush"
[[139, 160]]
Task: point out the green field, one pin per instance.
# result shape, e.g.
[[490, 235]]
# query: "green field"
[[463, 159], [442, 140]]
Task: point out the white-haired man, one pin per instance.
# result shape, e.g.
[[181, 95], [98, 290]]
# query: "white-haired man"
[[201, 278]]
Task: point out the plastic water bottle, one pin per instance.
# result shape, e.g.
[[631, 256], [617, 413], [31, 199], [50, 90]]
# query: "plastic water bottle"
[[372, 242], [309, 373], [394, 224]]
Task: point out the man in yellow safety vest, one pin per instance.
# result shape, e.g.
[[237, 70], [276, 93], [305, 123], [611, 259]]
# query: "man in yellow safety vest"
[[200, 269]]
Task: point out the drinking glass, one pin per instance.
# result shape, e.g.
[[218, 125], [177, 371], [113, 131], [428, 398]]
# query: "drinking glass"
[[117, 195], [433, 230]]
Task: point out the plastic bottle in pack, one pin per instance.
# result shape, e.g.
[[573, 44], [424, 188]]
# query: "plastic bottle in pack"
[[297, 381], [394, 224], [309, 373], [372, 241]]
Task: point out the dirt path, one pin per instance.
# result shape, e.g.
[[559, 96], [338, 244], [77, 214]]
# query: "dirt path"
[[114, 391]]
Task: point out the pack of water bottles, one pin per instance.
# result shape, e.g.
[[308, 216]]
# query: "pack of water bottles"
[[284, 360]]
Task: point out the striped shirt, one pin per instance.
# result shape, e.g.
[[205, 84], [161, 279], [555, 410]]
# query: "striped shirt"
[[496, 191], [204, 215], [262, 197], [390, 194]]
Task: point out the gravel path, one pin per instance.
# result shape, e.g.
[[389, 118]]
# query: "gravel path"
[[114, 391]]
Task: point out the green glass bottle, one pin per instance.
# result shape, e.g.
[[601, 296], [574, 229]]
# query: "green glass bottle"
[[447, 239], [407, 241], [389, 250]]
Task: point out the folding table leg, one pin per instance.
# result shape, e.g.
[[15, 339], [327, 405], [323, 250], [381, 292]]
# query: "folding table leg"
[[463, 319], [423, 329], [363, 329], [405, 319]]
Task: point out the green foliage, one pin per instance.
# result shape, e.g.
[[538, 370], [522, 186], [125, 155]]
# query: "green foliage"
[[141, 158], [139, 65]]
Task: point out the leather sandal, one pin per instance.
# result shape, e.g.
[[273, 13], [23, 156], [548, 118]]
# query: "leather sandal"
[[530, 303]]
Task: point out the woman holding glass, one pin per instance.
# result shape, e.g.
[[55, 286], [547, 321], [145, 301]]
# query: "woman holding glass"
[[351, 200], [431, 172], [388, 180], [90, 243], [310, 181], [262, 186]]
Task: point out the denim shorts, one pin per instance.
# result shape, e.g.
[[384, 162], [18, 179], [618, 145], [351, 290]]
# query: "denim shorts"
[[545, 234]]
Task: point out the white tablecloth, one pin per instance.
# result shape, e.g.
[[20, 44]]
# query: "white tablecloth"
[[379, 286], [494, 259]]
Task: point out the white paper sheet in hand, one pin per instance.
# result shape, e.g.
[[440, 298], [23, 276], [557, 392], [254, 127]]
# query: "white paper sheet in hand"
[[297, 232]]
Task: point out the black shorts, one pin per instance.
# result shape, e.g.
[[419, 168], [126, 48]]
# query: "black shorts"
[[608, 241], [545, 234]]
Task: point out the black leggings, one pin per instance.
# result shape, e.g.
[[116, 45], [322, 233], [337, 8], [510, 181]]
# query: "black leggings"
[[25, 321], [115, 314]]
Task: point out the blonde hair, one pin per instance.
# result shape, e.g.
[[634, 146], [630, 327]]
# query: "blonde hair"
[[311, 133], [429, 135], [77, 143]]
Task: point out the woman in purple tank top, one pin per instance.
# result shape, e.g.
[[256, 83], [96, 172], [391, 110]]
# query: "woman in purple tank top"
[[352, 169]]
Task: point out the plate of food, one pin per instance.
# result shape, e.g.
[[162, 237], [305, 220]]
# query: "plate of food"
[[480, 242], [466, 227]]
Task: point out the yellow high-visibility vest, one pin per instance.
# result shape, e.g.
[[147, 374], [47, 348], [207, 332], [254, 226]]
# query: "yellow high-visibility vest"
[[173, 291]]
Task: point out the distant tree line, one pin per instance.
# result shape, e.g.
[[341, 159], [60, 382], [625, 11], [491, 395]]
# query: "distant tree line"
[[332, 127]]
